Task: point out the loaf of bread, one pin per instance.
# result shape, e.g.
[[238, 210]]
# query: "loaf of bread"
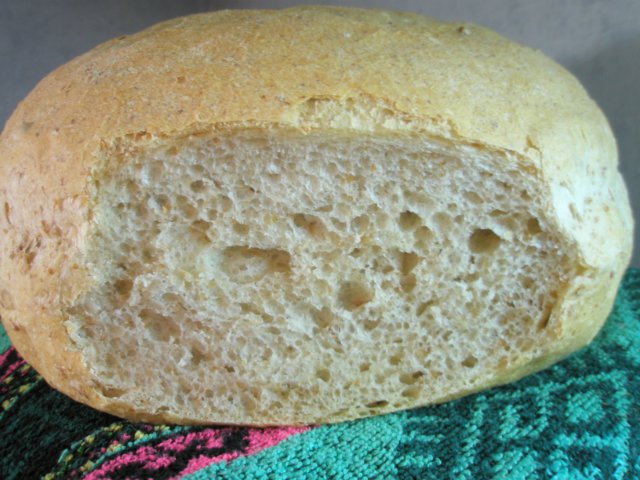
[[305, 216]]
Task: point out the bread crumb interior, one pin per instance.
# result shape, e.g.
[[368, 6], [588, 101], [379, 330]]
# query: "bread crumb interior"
[[283, 277]]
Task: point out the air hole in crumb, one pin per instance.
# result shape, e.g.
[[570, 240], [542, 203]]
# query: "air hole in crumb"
[[386, 269], [408, 261], [246, 264], [323, 374], [150, 255], [574, 212], [364, 367], [159, 326], [188, 210], [471, 277], [339, 413], [323, 317], [484, 240], [354, 294], [225, 203], [249, 308], [546, 317], [360, 223], [249, 402], [198, 186], [395, 359], [198, 232], [411, 378], [408, 220], [408, 283], [470, 361], [267, 354], [141, 211], [527, 282], [112, 392], [533, 226], [244, 192], [338, 224], [411, 392], [171, 298], [424, 306], [422, 235], [197, 169], [332, 168], [7, 212], [123, 287], [371, 324], [240, 228], [387, 284], [197, 355], [377, 404], [274, 331], [312, 224], [162, 202], [473, 197]]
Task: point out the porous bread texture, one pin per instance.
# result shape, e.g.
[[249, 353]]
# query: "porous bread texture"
[[287, 278], [301, 80]]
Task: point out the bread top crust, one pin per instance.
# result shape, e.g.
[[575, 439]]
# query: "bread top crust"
[[304, 67]]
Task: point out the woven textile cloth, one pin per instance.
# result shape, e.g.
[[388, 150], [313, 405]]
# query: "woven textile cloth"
[[578, 419]]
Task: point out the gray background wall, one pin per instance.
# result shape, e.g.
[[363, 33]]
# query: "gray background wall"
[[598, 40]]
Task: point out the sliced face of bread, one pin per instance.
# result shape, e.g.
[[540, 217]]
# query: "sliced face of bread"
[[279, 277]]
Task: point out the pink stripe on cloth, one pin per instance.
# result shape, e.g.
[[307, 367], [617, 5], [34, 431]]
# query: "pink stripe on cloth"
[[12, 368], [259, 439], [146, 455], [163, 454], [211, 439], [5, 354]]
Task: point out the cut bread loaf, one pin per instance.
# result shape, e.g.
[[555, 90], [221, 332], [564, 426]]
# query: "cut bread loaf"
[[305, 216]]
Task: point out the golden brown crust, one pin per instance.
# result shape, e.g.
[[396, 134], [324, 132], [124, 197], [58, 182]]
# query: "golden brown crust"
[[460, 83]]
